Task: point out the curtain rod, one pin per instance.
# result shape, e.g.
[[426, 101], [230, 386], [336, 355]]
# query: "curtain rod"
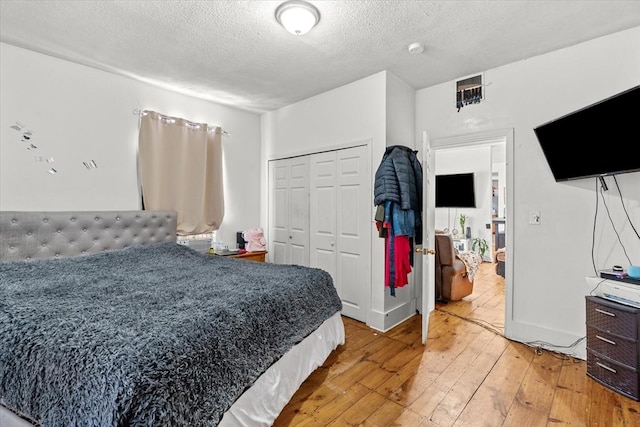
[[139, 112]]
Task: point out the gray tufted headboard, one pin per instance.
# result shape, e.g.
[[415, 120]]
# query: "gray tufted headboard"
[[38, 235]]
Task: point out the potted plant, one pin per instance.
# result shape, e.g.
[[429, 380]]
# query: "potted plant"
[[463, 220], [480, 245]]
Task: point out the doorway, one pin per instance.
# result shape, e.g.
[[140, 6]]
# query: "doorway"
[[503, 141]]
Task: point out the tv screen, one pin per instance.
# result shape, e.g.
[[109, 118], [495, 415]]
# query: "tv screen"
[[455, 191], [597, 140]]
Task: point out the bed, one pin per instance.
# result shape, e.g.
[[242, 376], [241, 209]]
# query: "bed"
[[106, 320]]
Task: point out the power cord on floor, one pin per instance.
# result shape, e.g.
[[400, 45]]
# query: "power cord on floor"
[[496, 329], [538, 346]]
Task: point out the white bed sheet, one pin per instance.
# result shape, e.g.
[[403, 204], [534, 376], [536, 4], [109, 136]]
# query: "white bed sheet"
[[261, 404]]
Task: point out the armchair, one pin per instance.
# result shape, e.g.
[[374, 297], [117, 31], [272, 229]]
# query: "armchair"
[[452, 279]]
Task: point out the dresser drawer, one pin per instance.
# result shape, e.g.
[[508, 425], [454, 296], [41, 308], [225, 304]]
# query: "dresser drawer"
[[612, 318], [613, 375], [621, 350]]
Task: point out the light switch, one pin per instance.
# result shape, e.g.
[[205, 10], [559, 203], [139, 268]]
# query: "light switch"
[[534, 217]]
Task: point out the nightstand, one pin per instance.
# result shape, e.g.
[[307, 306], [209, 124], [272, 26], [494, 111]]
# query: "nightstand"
[[613, 331], [257, 256]]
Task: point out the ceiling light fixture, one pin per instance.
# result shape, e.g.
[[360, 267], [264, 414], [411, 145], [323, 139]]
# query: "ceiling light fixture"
[[297, 16]]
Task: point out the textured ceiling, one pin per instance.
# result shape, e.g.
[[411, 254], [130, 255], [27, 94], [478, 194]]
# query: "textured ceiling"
[[235, 53]]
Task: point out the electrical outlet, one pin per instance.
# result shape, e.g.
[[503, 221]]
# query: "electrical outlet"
[[534, 217], [182, 242]]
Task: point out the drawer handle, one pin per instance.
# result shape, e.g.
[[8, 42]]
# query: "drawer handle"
[[605, 340], [605, 312], [606, 367]]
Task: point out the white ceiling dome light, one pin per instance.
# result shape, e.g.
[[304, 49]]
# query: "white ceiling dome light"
[[415, 48], [297, 16]]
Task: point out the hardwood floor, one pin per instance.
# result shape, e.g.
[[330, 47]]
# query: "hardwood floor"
[[468, 374]]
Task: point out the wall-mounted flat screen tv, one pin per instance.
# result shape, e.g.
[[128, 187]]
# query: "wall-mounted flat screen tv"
[[597, 140], [455, 191]]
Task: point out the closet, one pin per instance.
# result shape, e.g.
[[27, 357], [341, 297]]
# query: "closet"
[[320, 215]]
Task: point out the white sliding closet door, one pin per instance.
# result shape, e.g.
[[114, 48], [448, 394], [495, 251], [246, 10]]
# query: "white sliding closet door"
[[340, 224], [289, 211]]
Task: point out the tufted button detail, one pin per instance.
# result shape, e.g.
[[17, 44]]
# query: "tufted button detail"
[[28, 233], [84, 252], [59, 231], [43, 245], [45, 220], [14, 220], [73, 219], [84, 229], [97, 218], [117, 218], [12, 247], [28, 258]]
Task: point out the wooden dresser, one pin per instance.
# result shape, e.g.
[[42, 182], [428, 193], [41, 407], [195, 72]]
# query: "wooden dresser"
[[613, 345]]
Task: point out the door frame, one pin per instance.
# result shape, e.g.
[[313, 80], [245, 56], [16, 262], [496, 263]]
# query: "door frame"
[[480, 139]]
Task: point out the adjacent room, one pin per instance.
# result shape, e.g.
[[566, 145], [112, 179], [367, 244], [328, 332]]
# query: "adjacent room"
[[325, 213]]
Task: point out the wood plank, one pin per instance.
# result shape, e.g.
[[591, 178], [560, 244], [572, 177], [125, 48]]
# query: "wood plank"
[[359, 411], [630, 411], [571, 400], [330, 410], [534, 398], [605, 407], [438, 354], [494, 397], [488, 349], [392, 414]]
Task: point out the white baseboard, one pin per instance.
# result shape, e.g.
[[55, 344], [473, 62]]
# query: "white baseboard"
[[386, 321], [548, 339]]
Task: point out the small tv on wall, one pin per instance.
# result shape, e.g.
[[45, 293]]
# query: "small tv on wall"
[[595, 141], [455, 191]]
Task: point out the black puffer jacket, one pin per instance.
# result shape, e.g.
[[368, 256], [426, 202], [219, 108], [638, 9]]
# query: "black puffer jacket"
[[399, 178]]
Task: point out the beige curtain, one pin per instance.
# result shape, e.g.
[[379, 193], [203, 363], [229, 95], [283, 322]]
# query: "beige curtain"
[[181, 170]]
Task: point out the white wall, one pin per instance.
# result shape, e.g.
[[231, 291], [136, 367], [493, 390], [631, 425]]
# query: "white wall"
[[552, 259], [78, 114], [400, 116], [463, 160], [400, 130]]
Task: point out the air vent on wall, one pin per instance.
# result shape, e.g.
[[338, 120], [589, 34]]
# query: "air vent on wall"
[[469, 91]]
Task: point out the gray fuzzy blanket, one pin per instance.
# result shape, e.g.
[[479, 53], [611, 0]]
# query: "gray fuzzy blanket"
[[151, 335]]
